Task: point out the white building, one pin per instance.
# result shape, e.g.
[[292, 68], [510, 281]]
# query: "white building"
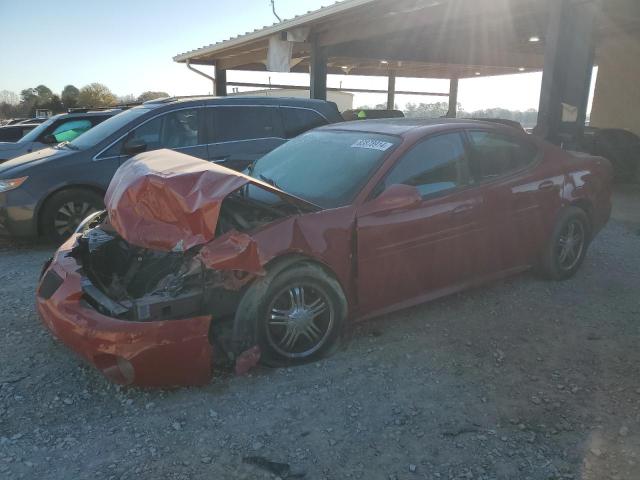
[[344, 100]]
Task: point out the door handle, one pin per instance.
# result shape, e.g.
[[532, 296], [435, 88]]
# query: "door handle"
[[546, 185], [459, 210]]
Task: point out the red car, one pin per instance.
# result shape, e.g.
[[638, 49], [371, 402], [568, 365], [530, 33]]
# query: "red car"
[[193, 261]]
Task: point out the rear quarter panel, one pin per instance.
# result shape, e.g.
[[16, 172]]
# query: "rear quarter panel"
[[588, 184]]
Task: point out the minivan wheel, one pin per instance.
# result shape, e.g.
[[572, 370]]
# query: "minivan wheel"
[[63, 212], [567, 246]]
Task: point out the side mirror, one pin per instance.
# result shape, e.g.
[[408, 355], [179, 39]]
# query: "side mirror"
[[134, 146], [49, 139], [394, 197]]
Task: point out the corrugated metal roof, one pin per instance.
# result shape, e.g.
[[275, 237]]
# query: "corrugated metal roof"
[[268, 30]]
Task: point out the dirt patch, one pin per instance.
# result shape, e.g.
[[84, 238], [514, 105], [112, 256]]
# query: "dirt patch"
[[522, 379]]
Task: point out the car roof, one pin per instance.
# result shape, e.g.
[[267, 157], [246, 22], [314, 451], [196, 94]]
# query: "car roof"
[[402, 126], [19, 126], [319, 105], [92, 113]]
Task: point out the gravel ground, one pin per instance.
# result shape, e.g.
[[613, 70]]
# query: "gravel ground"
[[522, 379]]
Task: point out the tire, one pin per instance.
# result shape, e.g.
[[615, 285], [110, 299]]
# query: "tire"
[[296, 314], [567, 247], [63, 212]]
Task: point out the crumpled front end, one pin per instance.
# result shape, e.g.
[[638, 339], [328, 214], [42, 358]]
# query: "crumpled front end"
[[145, 353], [135, 292]]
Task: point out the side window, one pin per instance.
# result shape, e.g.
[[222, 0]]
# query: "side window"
[[180, 129], [149, 132], [495, 154], [171, 130], [434, 165], [299, 120], [245, 123], [67, 131]]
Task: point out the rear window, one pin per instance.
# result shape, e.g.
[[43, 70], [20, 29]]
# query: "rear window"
[[299, 120], [495, 154], [34, 133], [10, 134], [67, 131]]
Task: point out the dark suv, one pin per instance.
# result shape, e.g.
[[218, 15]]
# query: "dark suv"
[[50, 191], [59, 128]]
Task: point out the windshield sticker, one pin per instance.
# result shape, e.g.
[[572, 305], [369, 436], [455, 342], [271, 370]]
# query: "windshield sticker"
[[372, 144]]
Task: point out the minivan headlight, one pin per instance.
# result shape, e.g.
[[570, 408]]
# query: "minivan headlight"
[[11, 183]]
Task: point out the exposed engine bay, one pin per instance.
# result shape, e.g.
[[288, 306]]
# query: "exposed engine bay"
[[140, 284]]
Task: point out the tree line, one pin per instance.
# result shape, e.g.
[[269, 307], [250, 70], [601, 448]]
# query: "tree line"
[[94, 95]]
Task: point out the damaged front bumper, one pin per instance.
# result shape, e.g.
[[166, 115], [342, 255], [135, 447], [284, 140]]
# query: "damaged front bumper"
[[150, 353]]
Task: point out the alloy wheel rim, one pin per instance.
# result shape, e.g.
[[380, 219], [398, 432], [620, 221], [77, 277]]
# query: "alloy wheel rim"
[[570, 245], [300, 320], [69, 216]]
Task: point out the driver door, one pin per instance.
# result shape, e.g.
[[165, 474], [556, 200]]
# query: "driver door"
[[410, 254]]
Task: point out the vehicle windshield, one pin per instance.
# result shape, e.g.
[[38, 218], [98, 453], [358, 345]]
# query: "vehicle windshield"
[[106, 128], [325, 167], [35, 133]]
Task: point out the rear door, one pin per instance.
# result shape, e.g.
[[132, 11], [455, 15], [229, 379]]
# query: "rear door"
[[406, 255], [520, 200], [241, 134]]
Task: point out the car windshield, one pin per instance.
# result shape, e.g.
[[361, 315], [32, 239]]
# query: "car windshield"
[[107, 128], [325, 167], [35, 133]]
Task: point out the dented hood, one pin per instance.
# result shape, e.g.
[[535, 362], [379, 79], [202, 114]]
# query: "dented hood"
[[165, 200]]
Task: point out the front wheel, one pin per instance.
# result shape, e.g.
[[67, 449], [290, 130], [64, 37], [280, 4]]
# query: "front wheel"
[[63, 212], [299, 316], [567, 247]]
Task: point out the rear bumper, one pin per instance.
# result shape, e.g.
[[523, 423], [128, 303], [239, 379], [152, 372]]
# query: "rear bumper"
[[603, 197], [152, 354]]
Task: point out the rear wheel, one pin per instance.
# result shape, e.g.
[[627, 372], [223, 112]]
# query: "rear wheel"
[[64, 211], [567, 246]]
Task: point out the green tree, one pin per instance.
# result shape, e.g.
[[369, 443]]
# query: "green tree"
[[96, 95], [54, 104], [145, 96], [44, 94], [69, 96], [39, 97], [28, 96]]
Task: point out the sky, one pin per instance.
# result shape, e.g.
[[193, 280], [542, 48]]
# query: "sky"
[[129, 44]]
